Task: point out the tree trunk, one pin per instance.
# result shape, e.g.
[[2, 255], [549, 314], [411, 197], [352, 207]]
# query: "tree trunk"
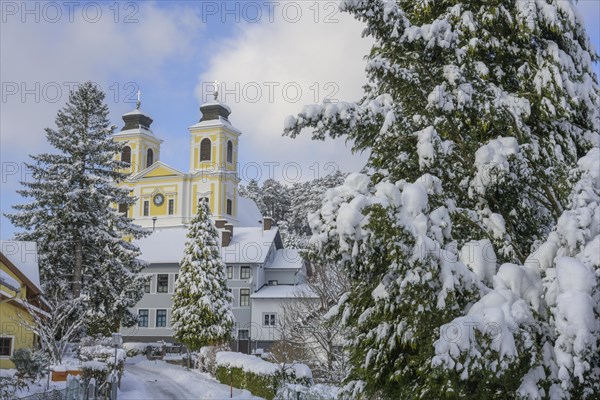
[[77, 272]]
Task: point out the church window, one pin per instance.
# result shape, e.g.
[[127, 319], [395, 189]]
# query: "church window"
[[229, 206], [205, 149], [149, 158], [229, 152], [171, 206], [126, 154], [123, 208], [146, 208]]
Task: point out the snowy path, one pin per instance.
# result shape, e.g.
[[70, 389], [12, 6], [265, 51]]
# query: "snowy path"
[[149, 380]]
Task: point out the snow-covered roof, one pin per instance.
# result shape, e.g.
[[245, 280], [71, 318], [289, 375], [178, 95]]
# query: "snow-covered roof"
[[139, 130], [284, 292], [8, 281], [216, 103], [136, 111], [23, 255], [248, 245], [211, 123], [248, 213], [285, 259]]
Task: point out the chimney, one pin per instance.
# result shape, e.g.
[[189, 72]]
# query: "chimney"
[[229, 227], [267, 223], [225, 237], [220, 223]]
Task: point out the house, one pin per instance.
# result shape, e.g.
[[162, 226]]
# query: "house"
[[252, 248], [19, 282], [260, 274]]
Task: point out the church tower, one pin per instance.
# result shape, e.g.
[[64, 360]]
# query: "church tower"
[[167, 197], [213, 161], [142, 147]]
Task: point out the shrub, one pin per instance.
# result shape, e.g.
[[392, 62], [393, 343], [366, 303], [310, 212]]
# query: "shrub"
[[260, 377], [206, 360], [94, 369], [29, 364], [100, 349], [9, 385]]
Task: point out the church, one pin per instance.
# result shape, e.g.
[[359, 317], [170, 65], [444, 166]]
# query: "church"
[[261, 274]]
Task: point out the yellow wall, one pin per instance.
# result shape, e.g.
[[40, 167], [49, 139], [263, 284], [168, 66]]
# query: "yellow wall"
[[9, 325]]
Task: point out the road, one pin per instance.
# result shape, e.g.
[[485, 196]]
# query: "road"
[[157, 380]]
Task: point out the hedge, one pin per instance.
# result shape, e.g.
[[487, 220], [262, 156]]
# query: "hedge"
[[260, 377]]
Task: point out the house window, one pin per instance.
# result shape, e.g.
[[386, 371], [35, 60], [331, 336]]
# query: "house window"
[[171, 206], [161, 318], [149, 158], [162, 283], [244, 297], [147, 284], [175, 282], [123, 208], [146, 208], [269, 319], [126, 154], [205, 149], [143, 318], [229, 272], [5, 346], [229, 206], [243, 334], [229, 152], [245, 273], [272, 283]]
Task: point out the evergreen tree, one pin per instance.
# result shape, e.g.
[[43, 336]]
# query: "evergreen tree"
[[276, 199], [253, 192], [202, 303], [73, 219], [496, 98], [489, 105]]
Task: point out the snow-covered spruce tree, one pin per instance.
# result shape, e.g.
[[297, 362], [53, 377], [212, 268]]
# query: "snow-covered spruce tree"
[[556, 291], [496, 98], [497, 101], [72, 217], [202, 304], [406, 280]]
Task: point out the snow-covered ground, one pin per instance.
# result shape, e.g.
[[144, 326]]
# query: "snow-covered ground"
[[149, 380]]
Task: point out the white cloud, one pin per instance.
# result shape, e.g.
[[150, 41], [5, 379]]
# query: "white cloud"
[[281, 60], [44, 57]]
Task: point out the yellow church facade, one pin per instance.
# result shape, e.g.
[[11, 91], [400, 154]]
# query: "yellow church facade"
[[168, 197]]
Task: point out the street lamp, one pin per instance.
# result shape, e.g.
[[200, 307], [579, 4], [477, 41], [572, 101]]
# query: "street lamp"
[[154, 223]]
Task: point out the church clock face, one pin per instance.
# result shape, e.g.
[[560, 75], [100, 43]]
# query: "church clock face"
[[158, 200]]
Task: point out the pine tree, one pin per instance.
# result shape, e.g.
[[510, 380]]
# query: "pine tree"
[[202, 303], [276, 198], [73, 219], [489, 104], [253, 192]]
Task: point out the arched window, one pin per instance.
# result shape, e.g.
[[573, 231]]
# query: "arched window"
[[229, 152], [205, 149], [149, 158], [126, 154], [229, 207]]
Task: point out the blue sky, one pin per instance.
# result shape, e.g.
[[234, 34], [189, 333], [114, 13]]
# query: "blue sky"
[[275, 56]]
